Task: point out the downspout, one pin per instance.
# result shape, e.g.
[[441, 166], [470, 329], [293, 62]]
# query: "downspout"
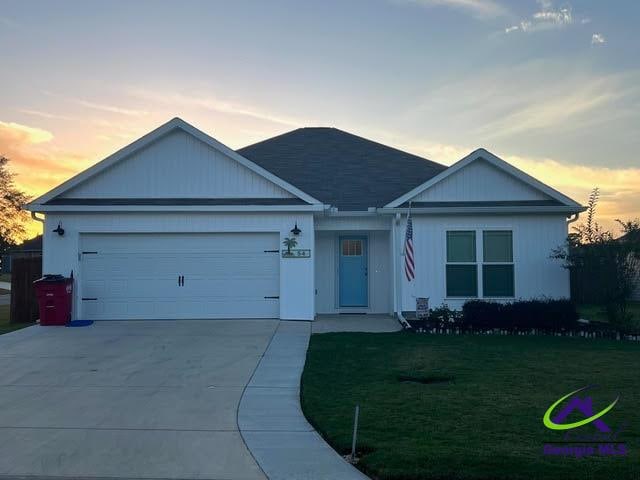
[[34, 215], [573, 218], [401, 319]]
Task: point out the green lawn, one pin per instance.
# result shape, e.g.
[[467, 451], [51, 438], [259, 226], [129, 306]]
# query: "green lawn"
[[598, 313], [5, 277], [486, 423], [5, 326]]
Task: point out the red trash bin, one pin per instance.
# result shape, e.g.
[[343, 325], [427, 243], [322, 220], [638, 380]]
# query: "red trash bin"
[[54, 293]]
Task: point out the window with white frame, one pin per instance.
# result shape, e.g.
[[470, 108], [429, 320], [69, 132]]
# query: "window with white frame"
[[496, 268], [497, 263], [462, 268]]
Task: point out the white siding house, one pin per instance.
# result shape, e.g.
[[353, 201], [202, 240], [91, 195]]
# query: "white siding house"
[[179, 226]]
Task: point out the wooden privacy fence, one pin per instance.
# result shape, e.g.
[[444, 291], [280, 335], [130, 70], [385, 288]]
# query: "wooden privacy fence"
[[24, 270]]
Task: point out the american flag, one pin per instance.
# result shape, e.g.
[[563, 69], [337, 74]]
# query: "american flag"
[[409, 264]]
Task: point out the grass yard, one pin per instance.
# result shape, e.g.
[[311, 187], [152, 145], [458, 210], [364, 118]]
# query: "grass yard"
[[5, 277], [5, 326], [597, 312], [486, 422]]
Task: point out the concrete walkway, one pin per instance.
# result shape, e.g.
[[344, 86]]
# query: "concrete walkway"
[[145, 399], [271, 421], [355, 323], [5, 285]]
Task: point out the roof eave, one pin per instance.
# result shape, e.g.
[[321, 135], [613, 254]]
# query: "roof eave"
[[492, 210], [43, 208]]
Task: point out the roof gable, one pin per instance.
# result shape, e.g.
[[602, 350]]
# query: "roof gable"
[[175, 161], [343, 170], [483, 177], [480, 181], [177, 165]]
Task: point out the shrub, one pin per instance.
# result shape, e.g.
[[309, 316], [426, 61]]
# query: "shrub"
[[478, 314], [444, 317], [522, 315]]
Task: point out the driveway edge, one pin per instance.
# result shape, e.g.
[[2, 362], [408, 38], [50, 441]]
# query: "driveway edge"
[[270, 417]]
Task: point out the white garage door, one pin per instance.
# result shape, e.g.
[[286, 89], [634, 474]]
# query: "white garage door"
[[166, 276]]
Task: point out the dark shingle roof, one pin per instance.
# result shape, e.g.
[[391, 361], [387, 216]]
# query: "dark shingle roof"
[[341, 169]]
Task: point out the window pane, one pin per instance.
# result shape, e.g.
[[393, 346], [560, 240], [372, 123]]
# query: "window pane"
[[461, 246], [351, 248], [462, 281], [357, 250], [497, 280], [498, 246]]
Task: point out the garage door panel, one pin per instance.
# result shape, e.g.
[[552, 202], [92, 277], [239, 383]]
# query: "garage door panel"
[[229, 288], [135, 276], [189, 242]]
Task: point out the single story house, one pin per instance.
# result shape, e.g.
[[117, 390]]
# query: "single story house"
[[179, 226]]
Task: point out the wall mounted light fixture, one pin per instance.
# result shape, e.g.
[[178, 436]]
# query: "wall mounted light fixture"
[[59, 230], [295, 230]]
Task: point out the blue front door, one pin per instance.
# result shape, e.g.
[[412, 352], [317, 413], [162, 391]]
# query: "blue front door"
[[354, 291]]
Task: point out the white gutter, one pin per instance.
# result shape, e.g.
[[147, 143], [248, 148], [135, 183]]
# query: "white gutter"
[[573, 218], [34, 215], [334, 212], [174, 208], [472, 210]]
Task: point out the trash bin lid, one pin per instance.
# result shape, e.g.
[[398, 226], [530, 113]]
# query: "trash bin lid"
[[52, 279]]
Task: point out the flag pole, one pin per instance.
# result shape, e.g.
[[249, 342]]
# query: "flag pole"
[[404, 246], [403, 321], [413, 284]]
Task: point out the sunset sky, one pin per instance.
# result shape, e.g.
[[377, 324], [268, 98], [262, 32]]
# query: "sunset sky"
[[552, 87]]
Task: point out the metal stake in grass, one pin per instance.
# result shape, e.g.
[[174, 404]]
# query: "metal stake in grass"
[[355, 434]]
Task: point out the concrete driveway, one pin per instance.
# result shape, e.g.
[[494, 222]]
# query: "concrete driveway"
[[128, 399]]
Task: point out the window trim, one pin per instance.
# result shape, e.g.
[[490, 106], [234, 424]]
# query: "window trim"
[[511, 263], [480, 259], [474, 263]]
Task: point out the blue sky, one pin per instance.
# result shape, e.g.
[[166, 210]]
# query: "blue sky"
[[553, 87]]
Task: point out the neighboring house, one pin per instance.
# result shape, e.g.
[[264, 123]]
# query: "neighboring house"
[[177, 225], [28, 248]]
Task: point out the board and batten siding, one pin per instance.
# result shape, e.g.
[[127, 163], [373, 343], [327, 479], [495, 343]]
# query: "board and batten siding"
[[479, 181], [379, 276], [61, 254], [534, 237], [177, 165]]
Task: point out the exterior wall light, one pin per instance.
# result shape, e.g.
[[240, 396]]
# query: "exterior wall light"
[[59, 230], [295, 230]]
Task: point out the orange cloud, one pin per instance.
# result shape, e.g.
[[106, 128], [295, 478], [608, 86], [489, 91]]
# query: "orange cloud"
[[22, 133], [619, 187], [36, 168]]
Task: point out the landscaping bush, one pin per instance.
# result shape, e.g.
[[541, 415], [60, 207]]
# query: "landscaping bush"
[[552, 315], [443, 317]]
